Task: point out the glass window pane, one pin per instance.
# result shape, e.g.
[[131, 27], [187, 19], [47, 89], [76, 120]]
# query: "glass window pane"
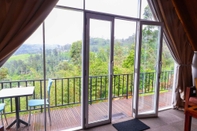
[[148, 64], [71, 3], [166, 78], [126, 8], [146, 12], [100, 34], [124, 53], [63, 34]]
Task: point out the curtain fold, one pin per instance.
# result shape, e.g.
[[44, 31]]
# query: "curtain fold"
[[179, 47], [18, 20]]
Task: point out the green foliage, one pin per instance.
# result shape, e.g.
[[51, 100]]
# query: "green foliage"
[[22, 57], [147, 13], [75, 53], [3, 73], [167, 60], [62, 62], [129, 61], [102, 55], [118, 54], [98, 43]]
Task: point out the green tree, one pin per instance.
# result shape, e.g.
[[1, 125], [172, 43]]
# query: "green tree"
[[3, 73], [147, 13], [102, 55], [167, 60], [129, 61], [118, 54], [65, 69], [75, 53], [97, 66], [149, 48]]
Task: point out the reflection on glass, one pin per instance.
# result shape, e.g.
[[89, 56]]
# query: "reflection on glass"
[[148, 64]]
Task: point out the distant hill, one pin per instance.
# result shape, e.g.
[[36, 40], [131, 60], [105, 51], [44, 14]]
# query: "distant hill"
[[33, 48], [96, 44]]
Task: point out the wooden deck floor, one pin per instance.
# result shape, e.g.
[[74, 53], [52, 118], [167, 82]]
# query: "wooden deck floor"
[[67, 118]]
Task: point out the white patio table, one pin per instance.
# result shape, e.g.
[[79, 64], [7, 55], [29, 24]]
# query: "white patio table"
[[16, 93]]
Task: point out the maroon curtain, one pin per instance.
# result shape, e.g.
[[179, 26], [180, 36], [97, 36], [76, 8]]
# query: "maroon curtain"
[[18, 20]]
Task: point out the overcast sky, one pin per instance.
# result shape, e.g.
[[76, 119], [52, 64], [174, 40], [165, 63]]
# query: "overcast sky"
[[66, 26]]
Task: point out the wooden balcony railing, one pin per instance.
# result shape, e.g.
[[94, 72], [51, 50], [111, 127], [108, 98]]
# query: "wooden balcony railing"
[[66, 92]]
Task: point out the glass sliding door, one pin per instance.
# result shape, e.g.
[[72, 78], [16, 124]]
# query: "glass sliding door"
[[147, 69], [98, 51], [124, 55]]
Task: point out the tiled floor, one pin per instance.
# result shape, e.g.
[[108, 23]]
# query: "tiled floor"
[[168, 120]]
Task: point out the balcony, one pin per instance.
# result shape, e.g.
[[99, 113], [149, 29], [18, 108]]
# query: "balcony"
[[66, 99]]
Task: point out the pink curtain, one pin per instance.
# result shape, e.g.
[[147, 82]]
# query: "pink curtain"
[[179, 47], [18, 20]]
